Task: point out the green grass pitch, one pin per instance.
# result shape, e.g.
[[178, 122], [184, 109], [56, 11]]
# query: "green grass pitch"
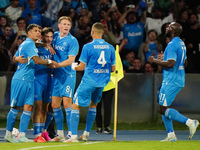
[[100, 145]]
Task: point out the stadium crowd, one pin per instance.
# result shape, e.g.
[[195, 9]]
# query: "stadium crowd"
[[137, 26]]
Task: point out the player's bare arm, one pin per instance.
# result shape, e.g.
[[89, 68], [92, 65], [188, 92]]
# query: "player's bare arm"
[[80, 67], [113, 68], [19, 59], [41, 61], [67, 62], [165, 64]]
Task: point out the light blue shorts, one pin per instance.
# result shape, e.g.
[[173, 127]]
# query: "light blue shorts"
[[85, 93], [167, 94], [43, 89], [64, 86], [22, 92]]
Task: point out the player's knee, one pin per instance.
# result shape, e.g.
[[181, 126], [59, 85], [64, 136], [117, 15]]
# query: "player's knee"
[[55, 105], [162, 110], [75, 107], [92, 105], [28, 107]]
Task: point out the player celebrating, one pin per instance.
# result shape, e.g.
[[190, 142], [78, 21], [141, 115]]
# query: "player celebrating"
[[173, 63], [66, 47], [42, 90], [98, 60], [22, 86]]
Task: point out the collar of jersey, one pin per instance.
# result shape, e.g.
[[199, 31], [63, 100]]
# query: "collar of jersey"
[[98, 39]]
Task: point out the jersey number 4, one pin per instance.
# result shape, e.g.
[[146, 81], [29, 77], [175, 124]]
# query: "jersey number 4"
[[101, 60]]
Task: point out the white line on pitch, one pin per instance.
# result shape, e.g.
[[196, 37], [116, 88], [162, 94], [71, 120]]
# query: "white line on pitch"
[[63, 145]]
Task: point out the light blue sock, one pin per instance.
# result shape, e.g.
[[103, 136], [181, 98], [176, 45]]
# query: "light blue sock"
[[49, 118], [58, 116], [91, 115], [41, 127], [11, 119], [175, 115], [68, 114], [74, 121], [36, 128], [24, 121], [168, 124]]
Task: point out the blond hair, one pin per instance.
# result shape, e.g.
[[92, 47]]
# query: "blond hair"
[[64, 18], [98, 27]]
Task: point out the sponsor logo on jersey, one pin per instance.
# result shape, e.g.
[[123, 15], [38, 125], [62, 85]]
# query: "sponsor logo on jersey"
[[60, 48], [134, 34]]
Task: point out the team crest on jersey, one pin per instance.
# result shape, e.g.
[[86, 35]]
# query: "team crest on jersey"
[[64, 43], [138, 26], [36, 50]]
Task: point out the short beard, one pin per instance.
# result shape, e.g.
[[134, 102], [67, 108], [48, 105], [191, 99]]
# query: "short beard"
[[168, 35]]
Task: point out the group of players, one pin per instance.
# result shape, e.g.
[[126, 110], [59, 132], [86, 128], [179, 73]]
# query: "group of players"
[[34, 85]]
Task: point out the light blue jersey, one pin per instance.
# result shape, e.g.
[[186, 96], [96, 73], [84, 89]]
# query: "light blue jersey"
[[134, 34], [151, 50], [175, 50], [43, 78], [64, 47], [26, 71], [42, 70], [98, 56]]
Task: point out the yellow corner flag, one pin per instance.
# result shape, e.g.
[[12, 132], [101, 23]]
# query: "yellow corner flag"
[[119, 68]]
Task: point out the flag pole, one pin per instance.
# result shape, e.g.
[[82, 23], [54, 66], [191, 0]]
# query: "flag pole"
[[116, 97]]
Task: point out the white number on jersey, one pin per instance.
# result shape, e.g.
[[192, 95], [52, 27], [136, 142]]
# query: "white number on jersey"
[[101, 59]]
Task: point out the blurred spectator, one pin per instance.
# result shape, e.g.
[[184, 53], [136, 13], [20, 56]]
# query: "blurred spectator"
[[100, 10], [149, 48], [7, 33], [13, 12], [198, 12], [77, 5], [39, 3], [162, 38], [121, 46], [183, 21], [3, 5], [4, 56], [137, 64], [128, 60], [192, 44], [152, 47], [133, 29], [85, 12], [115, 26], [104, 14], [83, 29], [164, 5], [3, 23], [21, 31], [15, 46], [148, 69], [32, 14], [4, 67], [108, 35], [157, 21], [82, 32], [70, 13], [49, 17]]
